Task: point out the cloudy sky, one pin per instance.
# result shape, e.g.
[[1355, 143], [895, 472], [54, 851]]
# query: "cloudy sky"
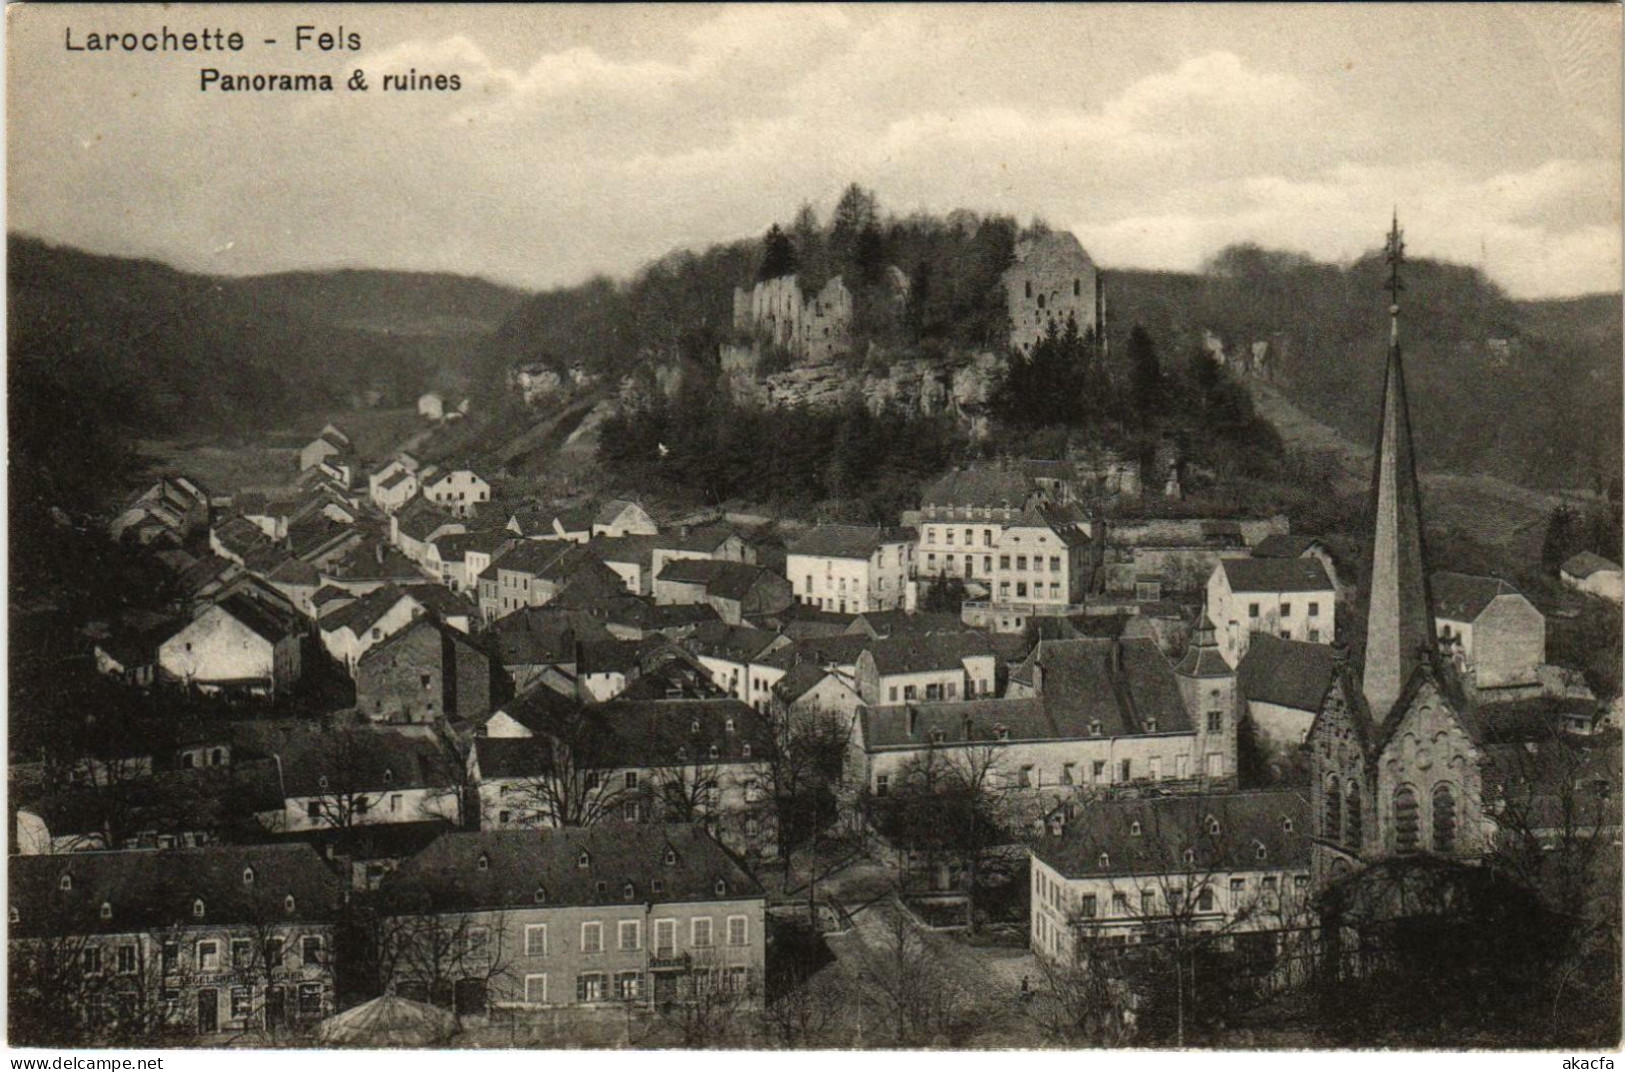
[[592, 139]]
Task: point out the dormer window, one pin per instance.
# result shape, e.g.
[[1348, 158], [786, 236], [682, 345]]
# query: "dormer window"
[[1134, 829], [1286, 824], [682, 753], [389, 776], [657, 886], [728, 726], [1094, 729], [938, 736], [629, 891], [603, 887], [1190, 856], [1105, 859], [584, 860], [197, 908], [671, 857], [289, 904], [722, 888], [1002, 732], [484, 863], [694, 727], [15, 917], [540, 896], [1262, 852], [66, 883], [1151, 725], [1213, 826], [107, 910], [714, 752], [745, 750], [322, 781]]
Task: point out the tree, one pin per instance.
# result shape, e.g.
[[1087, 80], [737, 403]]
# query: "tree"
[[902, 970], [456, 960], [1145, 375], [1562, 537], [806, 769], [778, 254], [574, 787]]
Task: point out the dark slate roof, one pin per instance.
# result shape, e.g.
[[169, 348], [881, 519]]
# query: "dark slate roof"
[[1586, 563], [258, 618], [966, 722], [441, 600], [1283, 545], [240, 536], [539, 708], [690, 571], [800, 620], [353, 758], [883, 623], [1099, 839], [531, 556], [799, 680], [847, 541], [1462, 597], [738, 643], [707, 537], [1062, 522], [1288, 673], [607, 656], [1276, 575], [630, 550], [296, 572], [376, 561], [328, 593], [150, 890], [610, 510], [576, 519], [454, 546], [1536, 719], [394, 643], [361, 615], [495, 869], [1202, 659], [909, 654], [1122, 684], [735, 580], [840, 650], [991, 488]]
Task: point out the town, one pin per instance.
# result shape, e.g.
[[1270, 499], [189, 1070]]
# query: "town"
[[1042, 757]]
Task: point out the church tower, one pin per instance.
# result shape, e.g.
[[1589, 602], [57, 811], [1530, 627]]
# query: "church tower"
[[1207, 684], [1399, 616]]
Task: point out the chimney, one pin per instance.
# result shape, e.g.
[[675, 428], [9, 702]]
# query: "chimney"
[[378, 552]]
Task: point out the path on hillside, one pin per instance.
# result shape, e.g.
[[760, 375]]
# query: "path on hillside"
[[1491, 511]]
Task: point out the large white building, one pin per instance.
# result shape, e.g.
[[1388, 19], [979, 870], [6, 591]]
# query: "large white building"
[[852, 569], [1291, 598]]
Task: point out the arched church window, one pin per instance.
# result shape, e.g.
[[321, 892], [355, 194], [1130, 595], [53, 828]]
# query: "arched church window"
[[1334, 810], [1406, 819], [1444, 818]]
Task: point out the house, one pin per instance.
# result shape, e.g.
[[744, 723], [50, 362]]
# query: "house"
[[1089, 712], [938, 666], [348, 633], [390, 493], [330, 441], [460, 490], [1491, 629], [532, 572], [852, 567], [1040, 566], [736, 590], [237, 538], [208, 942], [127, 649], [632, 557], [352, 776], [1291, 545], [238, 646], [322, 541], [1591, 573], [733, 654], [447, 607], [415, 527], [885, 623], [618, 517], [811, 687], [1284, 684], [597, 917], [298, 581], [1052, 281], [962, 517], [697, 761], [1181, 551], [463, 556], [431, 406], [172, 508], [604, 668], [1112, 872], [373, 565], [715, 540], [573, 525], [1292, 598], [202, 582], [426, 671]]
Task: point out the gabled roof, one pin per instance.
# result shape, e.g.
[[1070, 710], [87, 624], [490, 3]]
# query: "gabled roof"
[[847, 541], [1284, 545], [442, 601], [1123, 685], [591, 865], [1462, 597], [884, 623], [257, 618], [1059, 522], [841, 650], [1287, 673], [530, 556], [1276, 575], [1257, 831], [148, 890], [611, 510], [801, 679], [722, 580], [704, 538], [575, 519], [629, 550], [364, 613], [1586, 563], [375, 561], [915, 654], [737, 643], [318, 762], [955, 723], [986, 488], [240, 536]]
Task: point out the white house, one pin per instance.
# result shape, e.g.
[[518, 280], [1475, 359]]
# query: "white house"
[[1594, 575], [618, 517], [1291, 598], [431, 406], [350, 631], [393, 487], [1489, 627], [234, 646], [852, 568], [459, 490]]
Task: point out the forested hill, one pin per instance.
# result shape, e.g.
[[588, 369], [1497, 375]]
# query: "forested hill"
[[105, 347], [1526, 391]]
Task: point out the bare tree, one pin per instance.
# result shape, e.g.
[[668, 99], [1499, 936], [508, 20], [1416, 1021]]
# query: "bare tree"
[[574, 786], [903, 972], [455, 959]]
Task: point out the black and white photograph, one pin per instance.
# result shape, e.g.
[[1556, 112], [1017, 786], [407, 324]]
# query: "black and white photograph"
[[903, 527]]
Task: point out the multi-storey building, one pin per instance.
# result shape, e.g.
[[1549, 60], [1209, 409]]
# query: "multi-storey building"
[[962, 519], [1291, 598], [1051, 281], [852, 568], [143, 944], [603, 916]]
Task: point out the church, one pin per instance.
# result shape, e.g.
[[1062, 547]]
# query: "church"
[[1406, 756]]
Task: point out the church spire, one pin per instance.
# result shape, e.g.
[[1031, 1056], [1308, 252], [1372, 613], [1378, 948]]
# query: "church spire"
[[1399, 615]]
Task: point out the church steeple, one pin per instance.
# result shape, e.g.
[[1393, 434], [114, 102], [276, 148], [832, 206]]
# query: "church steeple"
[[1399, 614]]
